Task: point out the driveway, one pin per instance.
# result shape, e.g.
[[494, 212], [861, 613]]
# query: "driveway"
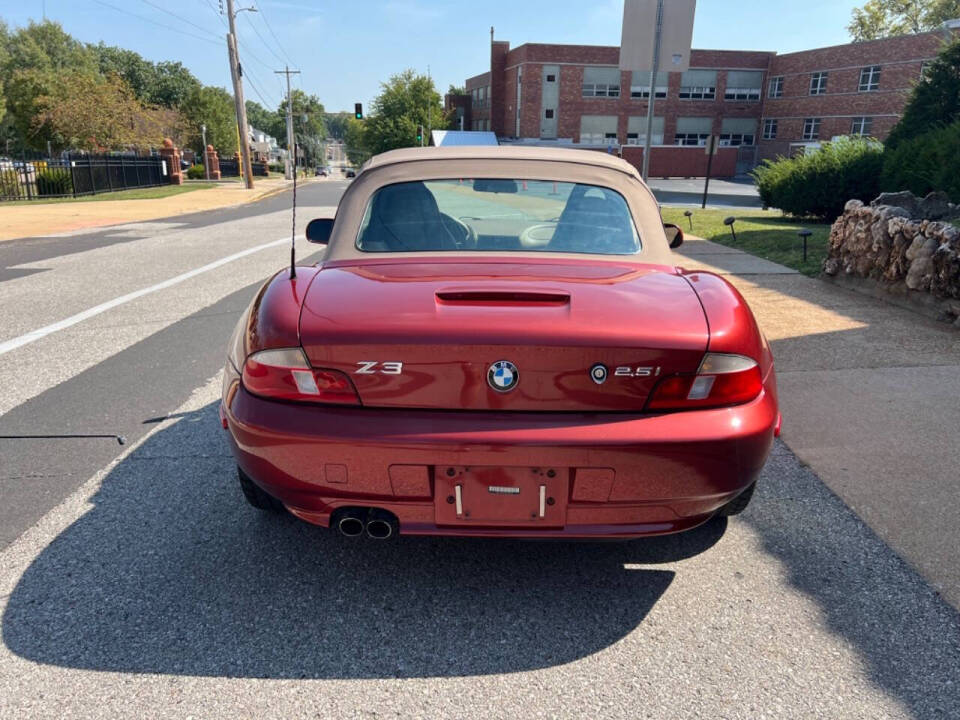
[[722, 193]]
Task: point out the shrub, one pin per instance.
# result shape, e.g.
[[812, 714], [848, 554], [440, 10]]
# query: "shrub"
[[196, 172], [927, 162], [818, 183], [54, 181], [276, 167]]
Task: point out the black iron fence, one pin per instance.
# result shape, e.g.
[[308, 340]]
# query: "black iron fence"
[[72, 175], [230, 167]]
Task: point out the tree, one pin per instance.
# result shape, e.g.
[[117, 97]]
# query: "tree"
[[308, 125], [337, 124], [934, 102], [213, 107], [268, 121], [171, 85], [95, 113], [406, 102], [457, 89], [355, 141], [37, 56], [885, 18]]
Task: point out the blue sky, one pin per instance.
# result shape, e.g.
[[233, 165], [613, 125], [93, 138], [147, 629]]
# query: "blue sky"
[[345, 49]]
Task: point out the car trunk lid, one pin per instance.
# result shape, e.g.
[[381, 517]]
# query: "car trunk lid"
[[426, 335]]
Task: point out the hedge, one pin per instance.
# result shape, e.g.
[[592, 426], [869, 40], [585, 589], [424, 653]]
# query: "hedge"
[[56, 181], [196, 172], [818, 183], [927, 162]]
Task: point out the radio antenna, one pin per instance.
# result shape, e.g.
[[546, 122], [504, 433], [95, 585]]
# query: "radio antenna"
[[293, 230]]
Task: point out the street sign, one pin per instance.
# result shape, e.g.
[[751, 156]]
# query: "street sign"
[[638, 36], [713, 144]]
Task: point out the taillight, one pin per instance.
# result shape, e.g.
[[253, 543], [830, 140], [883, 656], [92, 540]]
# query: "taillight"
[[721, 380], [286, 375]]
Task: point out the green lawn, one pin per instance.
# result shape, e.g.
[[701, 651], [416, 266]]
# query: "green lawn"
[[764, 233], [149, 193]]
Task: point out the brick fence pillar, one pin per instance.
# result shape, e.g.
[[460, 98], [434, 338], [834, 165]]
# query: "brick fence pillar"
[[172, 155], [212, 161]]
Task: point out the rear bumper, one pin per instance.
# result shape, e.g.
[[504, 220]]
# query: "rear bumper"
[[622, 475]]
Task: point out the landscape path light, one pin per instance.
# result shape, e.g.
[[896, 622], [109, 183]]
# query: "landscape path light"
[[804, 234], [729, 221]]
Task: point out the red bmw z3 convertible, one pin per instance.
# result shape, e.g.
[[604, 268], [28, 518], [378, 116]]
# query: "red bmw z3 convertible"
[[499, 342]]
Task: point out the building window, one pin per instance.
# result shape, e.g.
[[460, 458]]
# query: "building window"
[[741, 94], [598, 129], [601, 82], [640, 84], [698, 85], [811, 128], [818, 83], [548, 113], [861, 126], [869, 79], [690, 138], [743, 85], [770, 129], [697, 93], [737, 131], [551, 78], [775, 89], [600, 90], [637, 130], [735, 139]]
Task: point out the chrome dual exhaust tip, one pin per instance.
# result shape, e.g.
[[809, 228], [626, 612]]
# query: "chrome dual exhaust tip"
[[350, 525], [378, 524]]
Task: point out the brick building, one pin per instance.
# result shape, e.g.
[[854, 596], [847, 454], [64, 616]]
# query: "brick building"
[[761, 103]]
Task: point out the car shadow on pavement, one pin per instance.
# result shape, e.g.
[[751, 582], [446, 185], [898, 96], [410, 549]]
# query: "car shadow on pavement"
[[906, 635], [171, 572]]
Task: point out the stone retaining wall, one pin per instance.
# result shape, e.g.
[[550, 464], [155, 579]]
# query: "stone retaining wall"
[[903, 245]]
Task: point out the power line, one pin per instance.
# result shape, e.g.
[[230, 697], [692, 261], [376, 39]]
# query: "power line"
[[266, 45], [279, 44], [155, 22], [178, 17]]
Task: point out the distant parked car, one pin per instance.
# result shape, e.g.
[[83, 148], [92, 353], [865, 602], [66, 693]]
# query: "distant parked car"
[[350, 172], [321, 172]]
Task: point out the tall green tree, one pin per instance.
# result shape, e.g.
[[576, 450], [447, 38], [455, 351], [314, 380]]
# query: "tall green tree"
[[934, 102], [4, 58], [268, 121], [36, 55], [213, 107], [337, 124], [308, 125], [884, 18], [405, 103]]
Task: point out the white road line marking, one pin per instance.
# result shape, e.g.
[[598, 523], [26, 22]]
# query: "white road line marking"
[[39, 333]]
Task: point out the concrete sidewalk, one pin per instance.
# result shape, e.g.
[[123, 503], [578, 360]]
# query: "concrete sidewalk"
[[869, 394], [45, 219]]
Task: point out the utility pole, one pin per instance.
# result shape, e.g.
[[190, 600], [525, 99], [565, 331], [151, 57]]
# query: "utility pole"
[[237, 77], [653, 91], [291, 145]]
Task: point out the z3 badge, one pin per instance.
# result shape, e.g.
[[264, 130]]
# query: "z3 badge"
[[377, 367]]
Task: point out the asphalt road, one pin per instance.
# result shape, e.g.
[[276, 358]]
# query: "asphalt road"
[[135, 581]]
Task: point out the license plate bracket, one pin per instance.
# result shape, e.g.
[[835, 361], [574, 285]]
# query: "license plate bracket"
[[501, 496]]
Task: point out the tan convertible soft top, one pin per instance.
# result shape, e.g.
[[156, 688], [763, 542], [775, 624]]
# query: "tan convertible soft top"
[[530, 163]]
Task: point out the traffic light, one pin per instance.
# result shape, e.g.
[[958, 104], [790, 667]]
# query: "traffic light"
[[420, 134], [358, 111]]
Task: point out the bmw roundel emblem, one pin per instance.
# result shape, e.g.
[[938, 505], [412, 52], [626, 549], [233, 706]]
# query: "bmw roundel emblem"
[[598, 373], [503, 376]]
